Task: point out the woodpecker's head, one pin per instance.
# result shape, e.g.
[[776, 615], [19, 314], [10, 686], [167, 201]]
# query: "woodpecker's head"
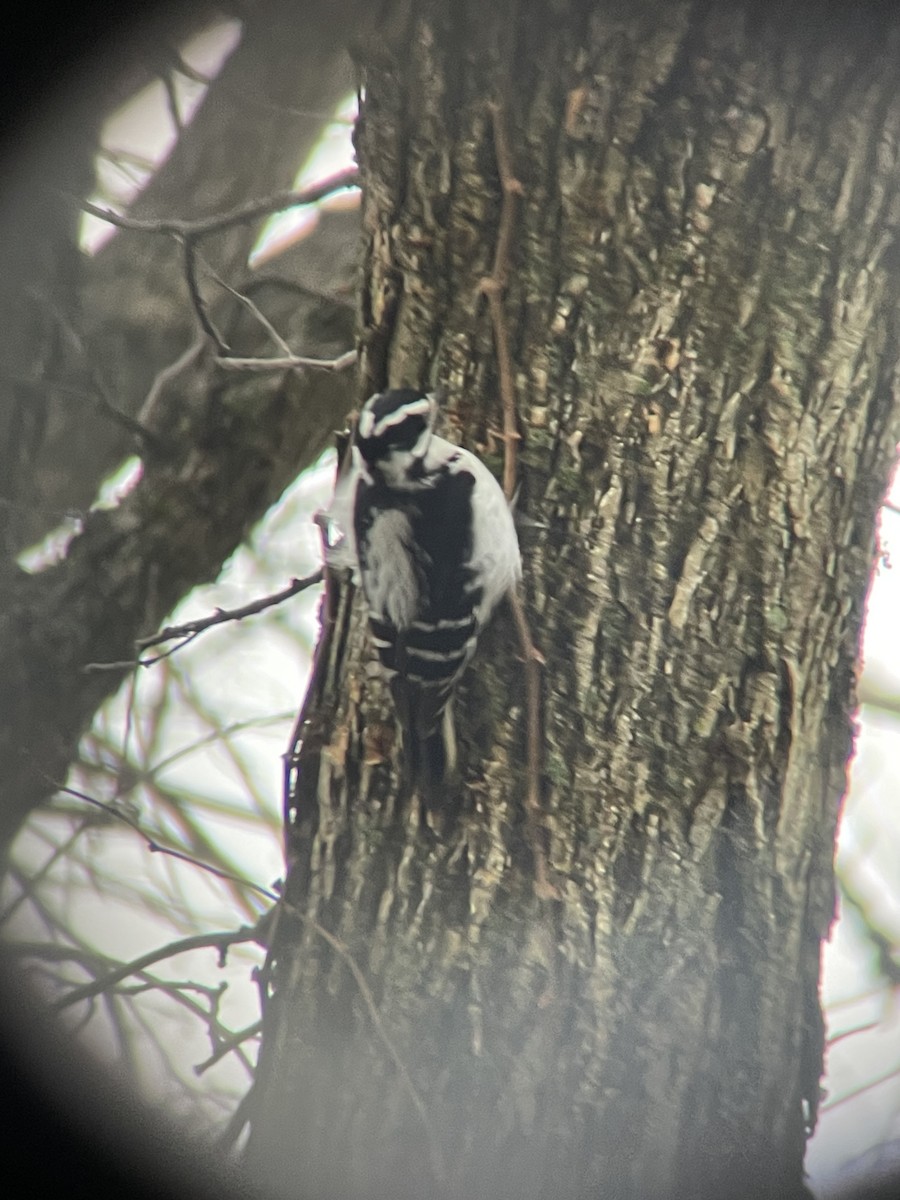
[[394, 429]]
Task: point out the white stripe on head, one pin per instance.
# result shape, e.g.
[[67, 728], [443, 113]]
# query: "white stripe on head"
[[419, 407]]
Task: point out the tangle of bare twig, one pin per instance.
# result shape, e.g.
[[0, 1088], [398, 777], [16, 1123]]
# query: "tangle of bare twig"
[[189, 233], [201, 941]]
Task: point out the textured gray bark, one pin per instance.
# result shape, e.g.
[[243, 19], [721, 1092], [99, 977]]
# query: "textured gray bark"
[[703, 306]]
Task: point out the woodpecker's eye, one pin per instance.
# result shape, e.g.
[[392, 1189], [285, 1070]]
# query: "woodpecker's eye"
[[405, 435]]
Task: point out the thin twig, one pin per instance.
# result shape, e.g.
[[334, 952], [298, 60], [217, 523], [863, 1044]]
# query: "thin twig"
[[190, 629], [196, 296], [237, 1120], [533, 660], [178, 993], [168, 83], [252, 308], [34, 881], [105, 985], [278, 202], [166, 375], [493, 288], [177, 64], [129, 664], [291, 759], [262, 278], [832, 1103], [290, 362], [200, 941], [129, 719], [156, 847], [226, 1045], [835, 1038], [221, 615], [105, 406], [101, 397]]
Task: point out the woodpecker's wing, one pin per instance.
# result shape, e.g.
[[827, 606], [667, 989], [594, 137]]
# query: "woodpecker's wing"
[[393, 566], [493, 562]]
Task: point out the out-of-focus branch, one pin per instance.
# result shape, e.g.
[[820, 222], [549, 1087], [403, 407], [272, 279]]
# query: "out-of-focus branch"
[[202, 941], [227, 1045], [292, 362], [157, 847], [228, 457], [246, 139], [243, 214], [189, 233]]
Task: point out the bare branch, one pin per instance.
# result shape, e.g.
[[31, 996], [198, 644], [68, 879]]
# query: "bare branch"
[[227, 1045], [168, 82], [834, 1102], [100, 397], [221, 615], [292, 363], [263, 207], [533, 660], [238, 1120], [167, 375], [190, 629], [493, 288], [156, 847], [193, 286], [200, 941], [254, 311]]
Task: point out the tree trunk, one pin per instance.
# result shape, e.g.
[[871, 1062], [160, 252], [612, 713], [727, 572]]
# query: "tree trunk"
[[701, 302]]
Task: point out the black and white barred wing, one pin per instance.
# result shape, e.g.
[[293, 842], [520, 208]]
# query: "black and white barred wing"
[[495, 560]]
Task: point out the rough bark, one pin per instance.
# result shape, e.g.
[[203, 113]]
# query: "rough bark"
[[38, 290], [702, 305]]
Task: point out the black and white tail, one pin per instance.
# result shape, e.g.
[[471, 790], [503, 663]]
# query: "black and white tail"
[[429, 745]]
